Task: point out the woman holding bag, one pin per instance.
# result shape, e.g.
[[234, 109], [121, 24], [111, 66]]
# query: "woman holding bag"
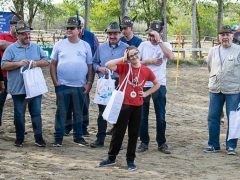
[[130, 114]]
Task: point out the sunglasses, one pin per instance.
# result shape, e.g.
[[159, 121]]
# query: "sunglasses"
[[71, 28]]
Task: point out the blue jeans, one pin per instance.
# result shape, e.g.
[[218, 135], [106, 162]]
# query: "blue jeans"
[[65, 96], [216, 103], [34, 107], [159, 101], [3, 97], [85, 124]]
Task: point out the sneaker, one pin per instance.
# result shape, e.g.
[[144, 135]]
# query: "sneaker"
[[211, 149], [57, 144], [164, 149], [96, 144], [40, 142], [106, 163], [86, 134], [81, 142], [67, 133], [132, 166], [231, 151], [19, 143], [142, 147]]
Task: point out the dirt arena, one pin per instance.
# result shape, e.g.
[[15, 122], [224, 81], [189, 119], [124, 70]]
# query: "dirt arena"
[[187, 134]]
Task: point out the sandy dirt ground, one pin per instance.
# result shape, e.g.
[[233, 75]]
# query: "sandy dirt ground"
[[187, 134]]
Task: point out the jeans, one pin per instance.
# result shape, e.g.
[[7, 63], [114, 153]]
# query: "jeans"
[[34, 107], [159, 101], [85, 124], [3, 97], [65, 96], [216, 103], [130, 116]]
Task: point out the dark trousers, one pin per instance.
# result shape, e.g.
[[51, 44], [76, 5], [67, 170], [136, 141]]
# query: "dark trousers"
[[3, 97], [130, 116], [85, 123]]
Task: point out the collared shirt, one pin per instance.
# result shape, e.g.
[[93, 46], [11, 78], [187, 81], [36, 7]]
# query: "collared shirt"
[[135, 41], [14, 53], [105, 53], [91, 39]]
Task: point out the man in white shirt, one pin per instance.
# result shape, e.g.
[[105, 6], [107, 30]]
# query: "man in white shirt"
[[154, 53]]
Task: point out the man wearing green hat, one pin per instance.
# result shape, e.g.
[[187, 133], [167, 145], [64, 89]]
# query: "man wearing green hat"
[[113, 48], [72, 76], [224, 87], [17, 55]]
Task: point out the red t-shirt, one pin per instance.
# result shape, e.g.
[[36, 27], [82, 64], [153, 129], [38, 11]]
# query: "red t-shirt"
[[6, 37], [145, 74]]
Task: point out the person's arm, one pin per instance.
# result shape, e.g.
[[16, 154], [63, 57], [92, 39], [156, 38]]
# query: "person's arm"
[[40, 63], [166, 51], [112, 64], [153, 89], [4, 44], [155, 61], [8, 66], [53, 72]]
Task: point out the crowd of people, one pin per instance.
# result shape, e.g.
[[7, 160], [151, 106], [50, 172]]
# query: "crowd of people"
[[78, 57]]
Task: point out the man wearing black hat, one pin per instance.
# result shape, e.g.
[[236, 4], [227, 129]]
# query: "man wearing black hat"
[[154, 53], [224, 86], [17, 55], [5, 40], [127, 31], [111, 49], [72, 76]]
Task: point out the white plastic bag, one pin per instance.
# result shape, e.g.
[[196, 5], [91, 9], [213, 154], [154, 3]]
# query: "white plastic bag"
[[234, 124], [34, 81], [104, 89], [112, 110]]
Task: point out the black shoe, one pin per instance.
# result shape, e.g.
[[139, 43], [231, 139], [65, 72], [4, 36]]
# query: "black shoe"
[[40, 142], [67, 133], [96, 144], [142, 147], [81, 142], [86, 133], [19, 143], [164, 149]]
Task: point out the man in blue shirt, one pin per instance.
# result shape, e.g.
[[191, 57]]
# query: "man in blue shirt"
[[111, 49], [92, 40], [72, 76], [15, 56], [127, 31]]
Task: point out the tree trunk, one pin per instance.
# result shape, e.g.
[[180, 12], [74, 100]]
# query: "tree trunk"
[[124, 8], [194, 34], [19, 7], [87, 14], [199, 33], [220, 14], [164, 18]]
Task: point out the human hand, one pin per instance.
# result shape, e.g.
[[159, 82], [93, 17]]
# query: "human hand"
[[23, 63], [143, 94], [34, 64], [157, 61], [103, 70], [2, 87], [87, 88], [156, 36]]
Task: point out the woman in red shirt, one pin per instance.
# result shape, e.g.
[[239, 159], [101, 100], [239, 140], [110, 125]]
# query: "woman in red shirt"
[[130, 114]]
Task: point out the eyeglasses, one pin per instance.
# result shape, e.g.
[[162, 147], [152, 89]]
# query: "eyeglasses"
[[150, 35], [132, 55], [71, 28]]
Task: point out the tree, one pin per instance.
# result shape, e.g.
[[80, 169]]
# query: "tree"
[[164, 17], [194, 32], [87, 14], [220, 14], [124, 9]]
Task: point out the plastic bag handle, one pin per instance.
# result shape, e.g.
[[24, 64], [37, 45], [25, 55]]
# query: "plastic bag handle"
[[29, 66]]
